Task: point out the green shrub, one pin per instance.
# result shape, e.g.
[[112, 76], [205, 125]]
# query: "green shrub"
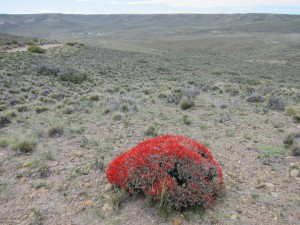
[[296, 147], [296, 118], [290, 137], [186, 120], [24, 144], [94, 97], [22, 108], [151, 131], [11, 114], [41, 109], [186, 103], [68, 110], [56, 130], [117, 116], [73, 75], [293, 140], [291, 110], [2, 107], [4, 120], [36, 49]]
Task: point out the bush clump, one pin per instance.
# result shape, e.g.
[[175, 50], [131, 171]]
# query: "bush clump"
[[48, 69], [56, 130], [174, 168], [4, 120], [186, 103], [293, 140], [24, 144], [73, 75], [36, 49]]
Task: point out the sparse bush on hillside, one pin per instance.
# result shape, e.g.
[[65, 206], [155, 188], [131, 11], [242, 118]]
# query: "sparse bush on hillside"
[[276, 104], [293, 140], [48, 69], [186, 103], [36, 49], [179, 170], [73, 75], [41, 109], [56, 130], [4, 120], [24, 144]]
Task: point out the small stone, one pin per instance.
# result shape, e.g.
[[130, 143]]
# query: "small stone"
[[260, 186], [79, 154], [23, 180], [269, 185], [107, 187], [232, 174], [88, 202], [177, 220], [265, 185], [87, 185], [294, 173], [227, 146], [53, 164], [234, 217], [106, 207], [274, 194]]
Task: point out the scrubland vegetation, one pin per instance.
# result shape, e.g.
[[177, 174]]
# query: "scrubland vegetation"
[[65, 114]]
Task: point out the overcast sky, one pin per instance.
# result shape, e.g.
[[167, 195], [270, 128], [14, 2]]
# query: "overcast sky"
[[149, 6]]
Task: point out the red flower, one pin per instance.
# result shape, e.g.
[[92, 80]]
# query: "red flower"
[[183, 168]]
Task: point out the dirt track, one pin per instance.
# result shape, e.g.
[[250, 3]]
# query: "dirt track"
[[24, 49]]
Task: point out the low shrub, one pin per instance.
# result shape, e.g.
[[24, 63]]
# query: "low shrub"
[[186, 103], [4, 121], [22, 108], [177, 169], [56, 130], [291, 110], [48, 69], [293, 140], [41, 109], [296, 147], [36, 49], [24, 144], [73, 75], [276, 104], [151, 131]]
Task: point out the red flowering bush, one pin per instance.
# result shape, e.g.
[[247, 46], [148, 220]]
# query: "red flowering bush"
[[179, 167]]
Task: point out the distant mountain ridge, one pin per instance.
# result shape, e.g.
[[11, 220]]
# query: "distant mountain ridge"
[[45, 25]]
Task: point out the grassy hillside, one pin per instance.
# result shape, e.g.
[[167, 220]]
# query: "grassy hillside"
[[230, 82], [67, 113]]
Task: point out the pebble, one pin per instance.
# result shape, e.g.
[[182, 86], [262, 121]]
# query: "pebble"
[[234, 217], [232, 174], [53, 164], [23, 180], [79, 154], [88, 202], [177, 220], [264, 185], [227, 146], [294, 173], [269, 185], [107, 187], [87, 185], [274, 194], [106, 207]]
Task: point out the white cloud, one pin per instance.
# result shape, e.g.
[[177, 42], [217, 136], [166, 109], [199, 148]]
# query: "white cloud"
[[213, 3]]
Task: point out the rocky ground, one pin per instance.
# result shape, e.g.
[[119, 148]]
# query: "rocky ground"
[[67, 113]]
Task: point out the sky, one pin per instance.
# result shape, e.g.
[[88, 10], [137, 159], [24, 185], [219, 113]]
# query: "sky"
[[148, 6]]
